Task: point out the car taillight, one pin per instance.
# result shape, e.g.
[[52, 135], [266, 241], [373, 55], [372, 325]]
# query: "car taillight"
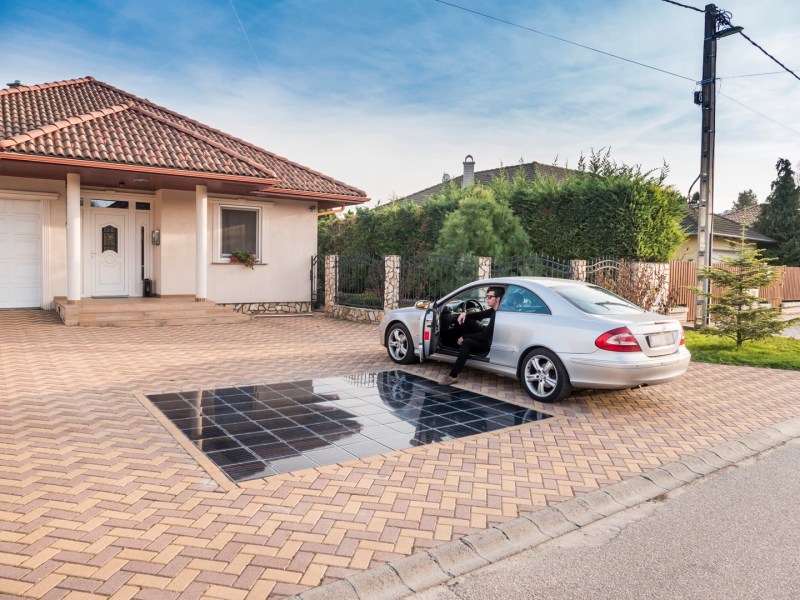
[[618, 340], [683, 339], [427, 335]]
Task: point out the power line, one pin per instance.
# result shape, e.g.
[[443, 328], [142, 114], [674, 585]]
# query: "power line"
[[752, 74], [480, 14], [685, 5], [727, 21], [724, 19], [759, 113]]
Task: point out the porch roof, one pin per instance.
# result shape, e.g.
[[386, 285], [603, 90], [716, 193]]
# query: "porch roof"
[[114, 138]]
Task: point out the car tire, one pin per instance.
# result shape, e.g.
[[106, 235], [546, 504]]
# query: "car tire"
[[543, 376], [399, 344]]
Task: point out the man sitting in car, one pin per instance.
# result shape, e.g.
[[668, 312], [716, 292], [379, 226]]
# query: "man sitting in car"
[[474, 340]]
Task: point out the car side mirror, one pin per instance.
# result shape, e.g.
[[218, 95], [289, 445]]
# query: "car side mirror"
[[423, 304]]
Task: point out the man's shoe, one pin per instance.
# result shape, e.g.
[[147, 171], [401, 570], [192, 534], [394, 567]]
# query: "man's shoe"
[[448, 380]]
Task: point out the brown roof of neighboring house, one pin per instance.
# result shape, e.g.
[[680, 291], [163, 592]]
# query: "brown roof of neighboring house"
[[88, 120], [530, 170], [723, 226], [746, 216]]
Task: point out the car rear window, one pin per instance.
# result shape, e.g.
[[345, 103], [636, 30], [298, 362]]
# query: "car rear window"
[[596, 300]]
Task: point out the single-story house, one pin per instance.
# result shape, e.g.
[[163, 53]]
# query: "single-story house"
[[530, 171], [726, 236], [105, 194]]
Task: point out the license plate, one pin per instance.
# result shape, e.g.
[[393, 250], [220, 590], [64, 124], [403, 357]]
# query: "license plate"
[[657, 340]]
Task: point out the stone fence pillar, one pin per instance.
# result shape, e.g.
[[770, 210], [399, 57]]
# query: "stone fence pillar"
[[331, 280], [577, 270], [484, 267], [391, 284]]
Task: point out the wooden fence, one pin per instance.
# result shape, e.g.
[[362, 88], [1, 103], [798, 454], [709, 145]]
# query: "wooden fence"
[[683, 274]]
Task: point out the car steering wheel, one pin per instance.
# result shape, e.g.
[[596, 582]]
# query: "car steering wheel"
[[470, 305]]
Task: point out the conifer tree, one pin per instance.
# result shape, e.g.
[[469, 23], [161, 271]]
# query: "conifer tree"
[[780, 216], [734, 310]]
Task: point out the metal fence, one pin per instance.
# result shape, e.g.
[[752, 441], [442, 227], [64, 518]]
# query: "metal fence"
[[431, 277], [360, 281]]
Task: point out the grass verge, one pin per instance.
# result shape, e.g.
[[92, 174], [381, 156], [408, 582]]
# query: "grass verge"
[[775, 353]]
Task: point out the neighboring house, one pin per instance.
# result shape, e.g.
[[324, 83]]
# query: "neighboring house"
[[102, 191], [746, 216], [531, 171], [726, 235]]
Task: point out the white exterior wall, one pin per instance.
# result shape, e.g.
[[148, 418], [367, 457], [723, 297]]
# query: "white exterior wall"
[[176, 221], [288, 241]]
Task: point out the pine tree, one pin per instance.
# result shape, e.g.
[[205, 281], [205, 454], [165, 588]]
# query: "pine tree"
[[780, 216], [734, 311]]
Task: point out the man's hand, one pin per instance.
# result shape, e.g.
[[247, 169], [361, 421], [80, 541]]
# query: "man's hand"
[[460, 341], [461, 318]]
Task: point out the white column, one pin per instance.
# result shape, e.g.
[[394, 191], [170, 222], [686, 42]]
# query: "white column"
[[201, 285], [73, 238]]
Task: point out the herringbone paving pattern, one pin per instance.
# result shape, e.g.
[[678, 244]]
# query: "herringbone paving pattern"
[[98, 498]]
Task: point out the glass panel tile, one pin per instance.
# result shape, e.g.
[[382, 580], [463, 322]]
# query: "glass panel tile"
[[264, 430]]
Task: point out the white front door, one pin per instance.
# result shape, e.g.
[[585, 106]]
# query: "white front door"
[[108, 253]]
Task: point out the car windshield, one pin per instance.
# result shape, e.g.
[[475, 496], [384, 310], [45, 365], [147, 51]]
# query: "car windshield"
[[596, 300]]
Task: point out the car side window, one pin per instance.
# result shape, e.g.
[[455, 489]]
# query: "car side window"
[[518, 299]]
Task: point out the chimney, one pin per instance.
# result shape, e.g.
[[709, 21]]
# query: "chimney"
[[469, 171]]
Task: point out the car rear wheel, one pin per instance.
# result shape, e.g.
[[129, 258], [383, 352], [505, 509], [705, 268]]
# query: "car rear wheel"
[[399, 345], [544, 377]]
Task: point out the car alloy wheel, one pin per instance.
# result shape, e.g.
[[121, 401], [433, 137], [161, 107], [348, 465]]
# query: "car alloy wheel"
[[398, 344], [544, 377]]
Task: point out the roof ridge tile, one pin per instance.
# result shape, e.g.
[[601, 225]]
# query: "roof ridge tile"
[[268, 172], [44, 86]]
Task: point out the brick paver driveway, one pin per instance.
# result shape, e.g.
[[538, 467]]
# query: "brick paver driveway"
[[99, 499]]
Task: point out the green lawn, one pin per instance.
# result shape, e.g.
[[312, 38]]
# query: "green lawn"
[[776, 352]]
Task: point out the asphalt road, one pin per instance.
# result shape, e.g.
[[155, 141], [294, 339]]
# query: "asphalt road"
[[731, 535]]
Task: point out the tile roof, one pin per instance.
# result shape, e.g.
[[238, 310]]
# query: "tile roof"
[[726, 228], [746, 216], [531, 171], [86, 119]]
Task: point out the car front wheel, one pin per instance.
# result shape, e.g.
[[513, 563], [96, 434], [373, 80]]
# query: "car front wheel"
[[544, 377], [399, 344]]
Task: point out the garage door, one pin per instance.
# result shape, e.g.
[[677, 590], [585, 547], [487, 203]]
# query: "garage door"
[[20, 254]]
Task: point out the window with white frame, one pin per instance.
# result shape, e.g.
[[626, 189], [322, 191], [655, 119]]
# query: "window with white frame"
[[239, 230]]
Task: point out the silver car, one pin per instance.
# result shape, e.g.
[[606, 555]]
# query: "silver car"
[[551, 334]]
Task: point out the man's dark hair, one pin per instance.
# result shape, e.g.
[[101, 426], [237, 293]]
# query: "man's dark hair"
[[498, 291]]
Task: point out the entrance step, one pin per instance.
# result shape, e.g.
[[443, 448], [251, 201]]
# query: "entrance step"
[[147, 312]]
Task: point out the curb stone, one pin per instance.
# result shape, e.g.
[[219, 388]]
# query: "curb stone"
[[456, 558], [663, 478], [437, 565], [379, 583], [493, 543], [522, 532], [419, 571]]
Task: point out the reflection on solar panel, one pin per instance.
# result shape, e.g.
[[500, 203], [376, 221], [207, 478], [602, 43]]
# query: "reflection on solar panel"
[[261, 430]]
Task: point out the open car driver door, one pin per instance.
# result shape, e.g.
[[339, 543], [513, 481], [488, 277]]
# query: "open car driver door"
[[429, 331]]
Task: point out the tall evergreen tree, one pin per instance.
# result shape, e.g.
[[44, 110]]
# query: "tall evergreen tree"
[[780, 216]]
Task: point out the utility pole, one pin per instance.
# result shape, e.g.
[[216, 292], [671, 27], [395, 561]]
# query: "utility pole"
[[708, 102]]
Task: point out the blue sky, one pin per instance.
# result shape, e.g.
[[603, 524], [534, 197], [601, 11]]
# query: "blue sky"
[[388, 95]]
